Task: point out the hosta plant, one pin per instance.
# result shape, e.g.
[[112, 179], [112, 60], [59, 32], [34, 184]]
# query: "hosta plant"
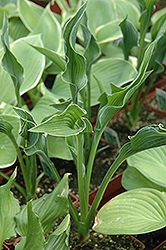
[[71, 118], [67, 115]]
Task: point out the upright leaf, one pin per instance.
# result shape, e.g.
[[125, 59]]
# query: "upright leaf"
[[130, 37], [10, 63], [59, 238], [9, 207], [75, 73], [35, 237]]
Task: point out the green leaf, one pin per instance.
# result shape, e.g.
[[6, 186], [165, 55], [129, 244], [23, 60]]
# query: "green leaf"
[[108, 32], [130, 37], [107, 71], [9, 61], [64, 124], [34, 237], [59, 238], [57, 59], [157, 19], [111, 10], [151, 164], [29, 13], [8, 124], [156, 27], [9, 206], [33, 63], [50, 30], [133, 212], [57, 148], [92, 49], [75, 73], [48, 208], [132, 178], [17, 28], [118, 99]]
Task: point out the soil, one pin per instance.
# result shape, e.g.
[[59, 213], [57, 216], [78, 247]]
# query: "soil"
[[103, 161]]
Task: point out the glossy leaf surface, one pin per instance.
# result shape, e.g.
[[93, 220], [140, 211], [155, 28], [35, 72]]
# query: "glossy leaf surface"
[[133, 212], [151, 164]]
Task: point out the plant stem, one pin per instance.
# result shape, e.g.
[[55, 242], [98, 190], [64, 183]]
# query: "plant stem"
[[95, 141], [81, 187], [101, 190], [27, 184]]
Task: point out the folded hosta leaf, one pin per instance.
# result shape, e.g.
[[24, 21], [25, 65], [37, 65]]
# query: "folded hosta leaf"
[[59, 238], [132, 178], [130, 37], [64, 124], [9, 208], [8, 124], [75, 73], [48, 208], [151, 164], [29, 13], [133, 212], [35, 236]]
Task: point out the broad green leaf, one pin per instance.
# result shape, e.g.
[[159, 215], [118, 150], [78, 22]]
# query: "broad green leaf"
[[57, 148], [59, 238], [133, 212], [8, 153], [35, 236], [111, 10], [61, 89], [130, 37], [75, 73], [9, 206], [147, 137], [29, 13], [107, 71], [64, 124], [108, 32], [50, 30], [33, 63], [17, 28], [132, 178], [48, 208], [151, 164]]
